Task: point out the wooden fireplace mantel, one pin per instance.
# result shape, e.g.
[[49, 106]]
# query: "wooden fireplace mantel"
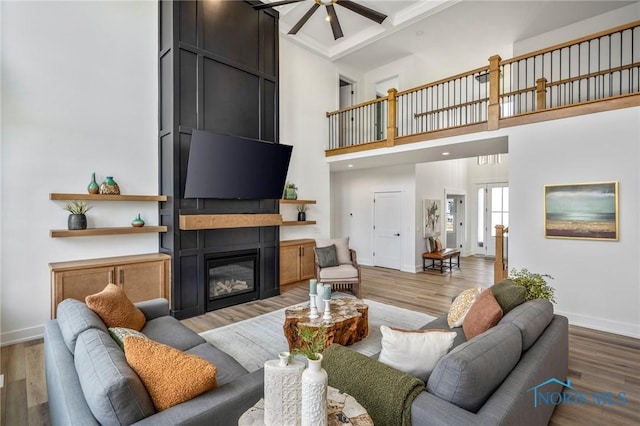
[[190, 222]]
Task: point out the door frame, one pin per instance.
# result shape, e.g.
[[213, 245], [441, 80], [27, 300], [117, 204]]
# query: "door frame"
[[461, 231]]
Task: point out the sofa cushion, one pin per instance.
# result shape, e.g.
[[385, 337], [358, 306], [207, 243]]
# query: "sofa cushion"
[[531, 318], [339, 272], [509, 294], [170, 376], [414, 352], [74, 317], [113, 391], [461, 305], [342, 248], [115, 309], [170, 331], [484, 314], [228, 368], [327, 256], [440, 323], [469, 374]]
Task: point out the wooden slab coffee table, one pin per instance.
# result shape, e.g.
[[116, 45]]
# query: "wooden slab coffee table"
[[349, 322]]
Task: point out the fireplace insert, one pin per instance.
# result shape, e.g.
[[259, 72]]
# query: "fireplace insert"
[[232, 278]]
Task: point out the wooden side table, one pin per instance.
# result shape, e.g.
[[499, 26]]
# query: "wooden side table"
[[349, 322], [342, 409]]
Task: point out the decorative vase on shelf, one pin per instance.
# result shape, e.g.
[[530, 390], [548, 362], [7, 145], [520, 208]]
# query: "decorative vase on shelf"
[[137, 222], [290, 192], [109, 187], [93, 187], [302, 216], [314, 394], [282, 391]]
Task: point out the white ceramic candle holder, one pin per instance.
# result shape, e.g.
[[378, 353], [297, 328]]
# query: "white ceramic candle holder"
[[327, 309], [313, 310]]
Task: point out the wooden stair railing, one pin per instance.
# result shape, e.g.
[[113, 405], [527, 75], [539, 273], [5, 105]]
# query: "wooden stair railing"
[[500, 269]]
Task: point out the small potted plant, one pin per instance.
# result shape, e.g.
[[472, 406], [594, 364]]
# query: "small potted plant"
[[302, 215], [536, 285], [77, 218], [290, 191]]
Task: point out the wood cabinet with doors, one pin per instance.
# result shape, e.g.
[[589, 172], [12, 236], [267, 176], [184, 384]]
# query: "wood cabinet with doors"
[[296, 260], [143, 277]]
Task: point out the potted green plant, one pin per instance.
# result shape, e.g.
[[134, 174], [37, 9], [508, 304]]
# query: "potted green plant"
[[313, 342], [77, 217], [290, 191], [302, 215], [536, 284]]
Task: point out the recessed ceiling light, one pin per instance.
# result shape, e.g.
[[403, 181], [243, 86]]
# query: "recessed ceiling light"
[[349, 165], [446, 153]]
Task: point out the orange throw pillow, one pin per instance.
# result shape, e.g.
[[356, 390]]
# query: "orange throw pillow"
[[170, 376], [483, 314], [115, 309]]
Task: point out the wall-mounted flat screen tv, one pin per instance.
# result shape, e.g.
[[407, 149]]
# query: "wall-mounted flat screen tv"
[[231, 167]]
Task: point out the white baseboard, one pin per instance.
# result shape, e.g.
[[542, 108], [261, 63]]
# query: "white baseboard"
[[602, 324], [23, 335]]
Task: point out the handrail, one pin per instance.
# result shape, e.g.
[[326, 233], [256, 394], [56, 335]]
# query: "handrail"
[[601, 69], [500, 269]]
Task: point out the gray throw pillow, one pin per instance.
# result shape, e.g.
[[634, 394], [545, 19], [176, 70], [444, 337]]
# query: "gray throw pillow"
[[327, 256], [509, 294]]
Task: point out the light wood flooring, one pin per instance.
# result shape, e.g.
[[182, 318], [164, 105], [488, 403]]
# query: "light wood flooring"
[[598, 362]]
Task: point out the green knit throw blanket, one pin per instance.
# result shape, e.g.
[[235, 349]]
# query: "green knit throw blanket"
[[383, 391]]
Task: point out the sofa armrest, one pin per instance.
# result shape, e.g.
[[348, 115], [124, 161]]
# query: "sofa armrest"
[[67, 405], [154, 308], [221, 406]]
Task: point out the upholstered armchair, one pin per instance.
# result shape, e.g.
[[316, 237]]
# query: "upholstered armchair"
[[337, 264]]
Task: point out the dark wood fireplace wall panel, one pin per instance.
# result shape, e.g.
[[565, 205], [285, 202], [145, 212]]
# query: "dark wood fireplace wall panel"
[[218, 71]]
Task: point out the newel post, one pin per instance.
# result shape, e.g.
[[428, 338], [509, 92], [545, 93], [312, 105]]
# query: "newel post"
[[493, 118], [541, 94], [391, 119], [500, 270]]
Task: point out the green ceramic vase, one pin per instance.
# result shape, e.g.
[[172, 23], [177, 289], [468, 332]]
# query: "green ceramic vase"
[[109, 187], [137, 222], [93, 187]]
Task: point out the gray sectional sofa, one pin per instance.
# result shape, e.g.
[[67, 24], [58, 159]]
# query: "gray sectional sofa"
[[89, 381], [489, 379]]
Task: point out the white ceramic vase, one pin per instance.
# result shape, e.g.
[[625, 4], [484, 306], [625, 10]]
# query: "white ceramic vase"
[[314, 394], [283, 391]]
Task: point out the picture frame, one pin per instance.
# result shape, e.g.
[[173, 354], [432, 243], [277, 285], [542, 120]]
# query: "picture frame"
[[582, 211], [432, 217]]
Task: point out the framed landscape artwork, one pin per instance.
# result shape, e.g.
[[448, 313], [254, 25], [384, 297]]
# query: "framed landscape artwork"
[[585, 210]]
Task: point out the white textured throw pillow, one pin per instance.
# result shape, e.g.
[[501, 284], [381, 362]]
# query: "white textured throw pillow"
[[414, 352], [461, 305]]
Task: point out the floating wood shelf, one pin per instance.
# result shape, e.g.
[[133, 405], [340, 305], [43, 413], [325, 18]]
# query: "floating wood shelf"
[[56, 233], [216, 221], [283, 201], [98, 197], [298, 222]]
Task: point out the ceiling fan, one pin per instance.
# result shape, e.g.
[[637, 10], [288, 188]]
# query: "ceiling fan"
[[331, 13]]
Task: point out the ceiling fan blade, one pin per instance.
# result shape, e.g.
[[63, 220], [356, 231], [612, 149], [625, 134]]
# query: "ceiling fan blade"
[[274, 4], [304, 19], [363, 10], [333, 20]]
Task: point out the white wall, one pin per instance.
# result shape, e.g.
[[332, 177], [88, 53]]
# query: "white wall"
[[308, 89], [79, 92], [596, 282], [433, 181], [352, 193]]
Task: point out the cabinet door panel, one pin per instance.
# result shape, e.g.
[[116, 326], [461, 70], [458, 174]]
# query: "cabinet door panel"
[[79, 284], [307, 264], [142, 281], [289, 264]]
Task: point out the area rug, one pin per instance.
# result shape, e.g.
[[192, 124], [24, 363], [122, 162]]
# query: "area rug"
[[253, 341]]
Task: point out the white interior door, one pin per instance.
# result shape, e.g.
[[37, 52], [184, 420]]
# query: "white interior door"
[[493, 211], [386, 229], [455, 223]]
